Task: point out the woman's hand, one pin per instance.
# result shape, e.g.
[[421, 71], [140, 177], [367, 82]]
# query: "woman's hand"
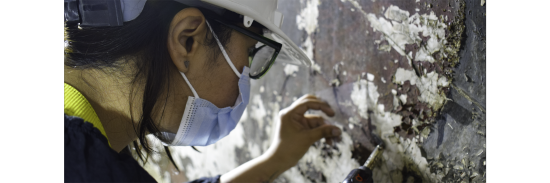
[[296, 131], [294, 135]]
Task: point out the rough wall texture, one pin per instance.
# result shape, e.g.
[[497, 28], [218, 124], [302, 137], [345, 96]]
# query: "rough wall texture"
[[409, 72]]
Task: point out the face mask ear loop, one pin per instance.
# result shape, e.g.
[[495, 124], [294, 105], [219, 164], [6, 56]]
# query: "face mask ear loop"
[[192, 89], [223, 51]]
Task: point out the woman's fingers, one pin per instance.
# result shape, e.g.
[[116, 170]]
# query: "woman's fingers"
[[326, 131], [314, 121], [311, 102], [301, 120], [320, 129]]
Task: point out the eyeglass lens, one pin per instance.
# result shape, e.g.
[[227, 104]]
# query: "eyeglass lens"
[[260, 59]]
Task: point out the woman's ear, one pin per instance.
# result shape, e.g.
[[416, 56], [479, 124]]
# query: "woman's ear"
[[186, 28]]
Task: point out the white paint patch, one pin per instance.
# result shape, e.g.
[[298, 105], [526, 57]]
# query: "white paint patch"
[[370, 77], [380, 107], [316, 67], [359, 97], [307, 47], [307, 19], [383, 80], [291, 69]]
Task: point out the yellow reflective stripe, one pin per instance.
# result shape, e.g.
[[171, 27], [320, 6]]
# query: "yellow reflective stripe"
[[77, 105]]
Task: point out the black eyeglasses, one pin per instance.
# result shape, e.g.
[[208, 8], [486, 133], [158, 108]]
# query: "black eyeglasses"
[[263, 55]]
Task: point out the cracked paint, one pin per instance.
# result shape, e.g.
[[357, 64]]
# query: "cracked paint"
[[428, 86]]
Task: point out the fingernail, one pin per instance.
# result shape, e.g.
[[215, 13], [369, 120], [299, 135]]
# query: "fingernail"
[[336, 132]]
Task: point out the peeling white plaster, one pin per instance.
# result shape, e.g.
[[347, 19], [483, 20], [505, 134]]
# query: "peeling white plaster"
[[394, 13], [398, 153], [403, 29], [307, 47], [428, 85], [400, 30]]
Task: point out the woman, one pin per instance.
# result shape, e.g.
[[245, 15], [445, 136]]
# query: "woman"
[[179, 71]]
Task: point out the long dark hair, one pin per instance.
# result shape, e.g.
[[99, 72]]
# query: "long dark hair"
[[142, 40]]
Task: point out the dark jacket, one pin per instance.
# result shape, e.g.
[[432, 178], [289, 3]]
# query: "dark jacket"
[[88, 158]]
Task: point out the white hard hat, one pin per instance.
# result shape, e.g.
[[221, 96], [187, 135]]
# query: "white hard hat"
[[261, 11]]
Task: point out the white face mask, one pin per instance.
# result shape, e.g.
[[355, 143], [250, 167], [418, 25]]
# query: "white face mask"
[[203, 123]]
